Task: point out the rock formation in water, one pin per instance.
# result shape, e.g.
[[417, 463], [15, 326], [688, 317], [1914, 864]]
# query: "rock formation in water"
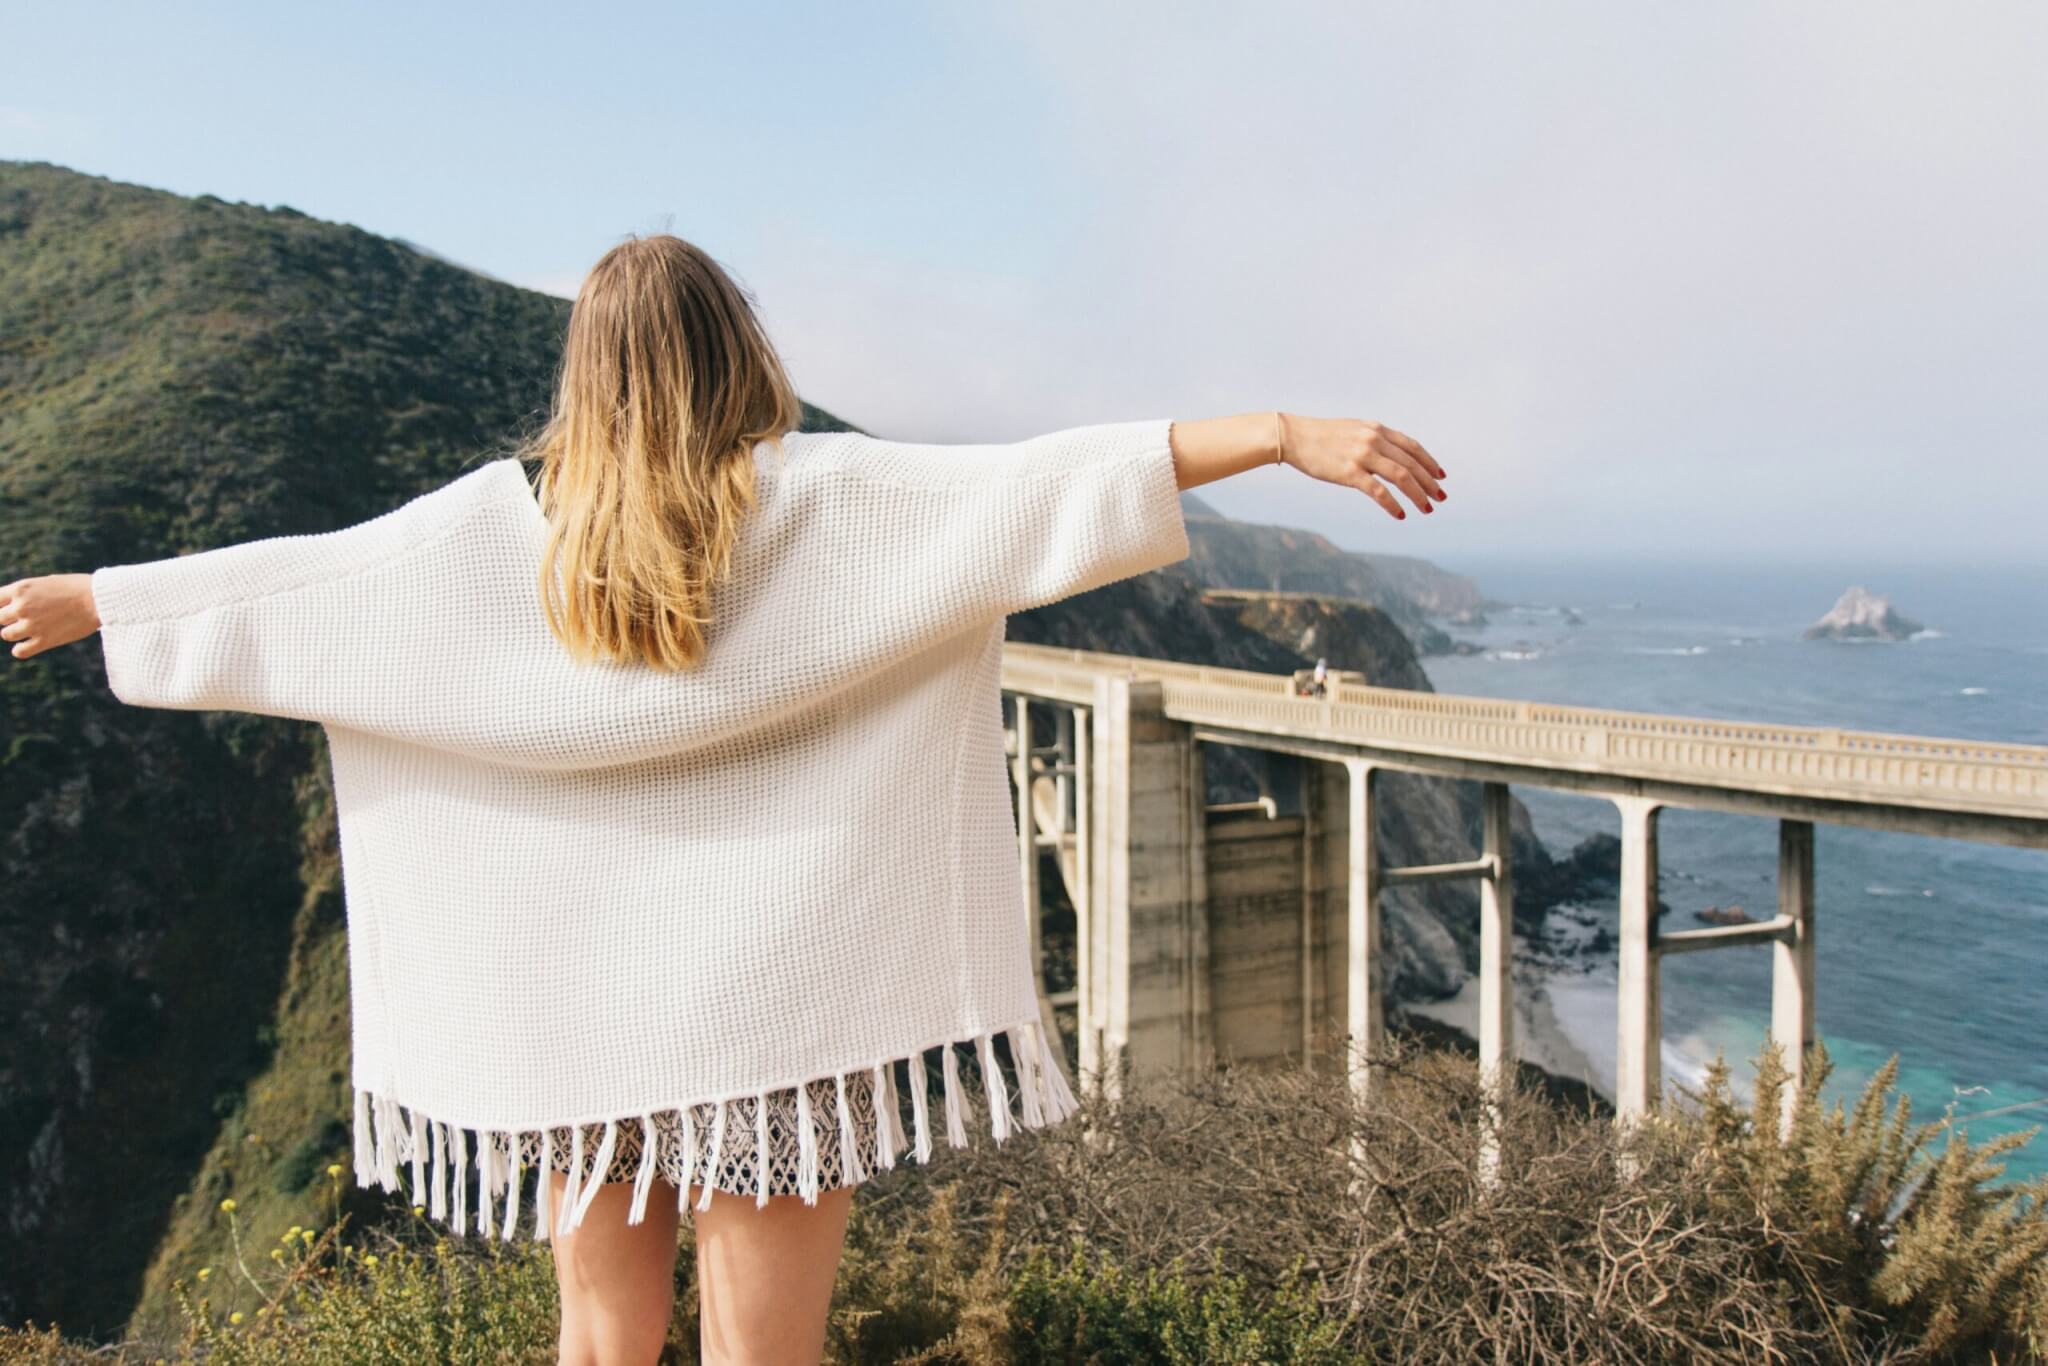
[[1862, 615]]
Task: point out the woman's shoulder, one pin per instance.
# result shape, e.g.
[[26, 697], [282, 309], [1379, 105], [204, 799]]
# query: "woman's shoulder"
[[823, 455], [858, 456]]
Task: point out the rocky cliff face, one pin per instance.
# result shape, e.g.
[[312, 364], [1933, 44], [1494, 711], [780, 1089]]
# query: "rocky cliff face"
[[1860, 614], [1231, 554], [1347, 632]]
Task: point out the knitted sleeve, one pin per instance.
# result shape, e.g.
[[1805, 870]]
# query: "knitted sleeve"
[[279, 626], [995, 529]]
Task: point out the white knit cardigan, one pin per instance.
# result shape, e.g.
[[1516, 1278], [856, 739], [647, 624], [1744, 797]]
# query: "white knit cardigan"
[[584, 894]]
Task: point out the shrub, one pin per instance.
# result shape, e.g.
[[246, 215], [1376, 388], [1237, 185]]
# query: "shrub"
[[1901, 1250], [1100, 1313], [1265, 1214]]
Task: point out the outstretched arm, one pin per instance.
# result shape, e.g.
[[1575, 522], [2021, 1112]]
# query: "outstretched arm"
[[987, 530], [272, 626], [47, 611]]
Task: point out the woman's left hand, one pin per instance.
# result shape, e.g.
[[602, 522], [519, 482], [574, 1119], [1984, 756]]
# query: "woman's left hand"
[[42, 613]]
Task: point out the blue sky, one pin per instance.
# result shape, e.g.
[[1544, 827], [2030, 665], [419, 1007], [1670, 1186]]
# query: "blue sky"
[[1746, 279]]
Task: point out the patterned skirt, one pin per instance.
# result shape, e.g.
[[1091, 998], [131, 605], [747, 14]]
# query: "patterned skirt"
[[735, 1170]]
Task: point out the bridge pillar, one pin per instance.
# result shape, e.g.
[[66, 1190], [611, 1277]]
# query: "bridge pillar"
[[1027, 837], [1313, 785], [1364, 975], [1064, 759], [1792, 958], [1638, 1079], [1496, 966], [1148, 1003]]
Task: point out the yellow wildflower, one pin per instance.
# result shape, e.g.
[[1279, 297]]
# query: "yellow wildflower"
[[235, 1317], [369, 1259], [204, 1272], [334, 1169], [307, 1237], [418, 1210], [277, 1254], [228, 1204]]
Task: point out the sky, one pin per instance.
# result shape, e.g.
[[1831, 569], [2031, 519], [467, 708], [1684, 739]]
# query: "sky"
[[1753, 281]]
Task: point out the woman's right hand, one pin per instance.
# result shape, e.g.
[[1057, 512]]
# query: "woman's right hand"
[[44, 612], [1359, 454]]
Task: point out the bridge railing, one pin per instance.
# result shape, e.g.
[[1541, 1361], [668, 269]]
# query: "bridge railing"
[[1925, 770]]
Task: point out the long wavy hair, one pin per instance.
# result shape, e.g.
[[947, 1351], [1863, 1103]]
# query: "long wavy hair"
[[667, 384]]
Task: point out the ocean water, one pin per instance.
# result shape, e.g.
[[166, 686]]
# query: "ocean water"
[[1932, 949]]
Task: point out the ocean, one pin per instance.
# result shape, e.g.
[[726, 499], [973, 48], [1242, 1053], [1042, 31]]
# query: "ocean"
[[1933, 949]]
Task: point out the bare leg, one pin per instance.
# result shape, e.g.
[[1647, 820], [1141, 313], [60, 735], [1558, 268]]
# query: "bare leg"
[[764, 1276], [617, 1279]]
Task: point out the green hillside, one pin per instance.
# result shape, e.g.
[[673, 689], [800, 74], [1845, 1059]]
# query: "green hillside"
[[176, 374]]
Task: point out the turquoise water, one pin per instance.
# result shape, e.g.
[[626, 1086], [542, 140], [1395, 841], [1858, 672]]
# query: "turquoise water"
[[1935, 949]]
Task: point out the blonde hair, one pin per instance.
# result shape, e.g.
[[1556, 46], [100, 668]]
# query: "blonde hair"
[[667, 384]]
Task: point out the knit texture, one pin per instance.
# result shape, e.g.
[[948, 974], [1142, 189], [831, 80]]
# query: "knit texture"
[[586, 893]]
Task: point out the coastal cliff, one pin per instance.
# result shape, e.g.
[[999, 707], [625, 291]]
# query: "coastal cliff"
[[1415, 594]]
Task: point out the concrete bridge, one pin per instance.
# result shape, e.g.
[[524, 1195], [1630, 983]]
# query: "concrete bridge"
[[1204, 929]]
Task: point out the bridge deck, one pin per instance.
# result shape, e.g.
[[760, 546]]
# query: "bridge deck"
[[1923, 784]]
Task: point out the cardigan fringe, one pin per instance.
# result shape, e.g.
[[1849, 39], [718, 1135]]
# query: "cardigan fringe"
[[806, 1147], [598, 1166], [389, 1133], [644, 1182], [514, 1173], [849, 1150], [711, 1160], [542, 1198], [689, 1158], [894, 1112], [949, 1066], [885, 1133], [760, 1149], [574, 1185], [487, 1162], [920, 1108]]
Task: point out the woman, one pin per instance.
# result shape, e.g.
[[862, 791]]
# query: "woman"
[[675, 826]]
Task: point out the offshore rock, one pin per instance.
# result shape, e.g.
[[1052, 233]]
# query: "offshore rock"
[[1862, 615]]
